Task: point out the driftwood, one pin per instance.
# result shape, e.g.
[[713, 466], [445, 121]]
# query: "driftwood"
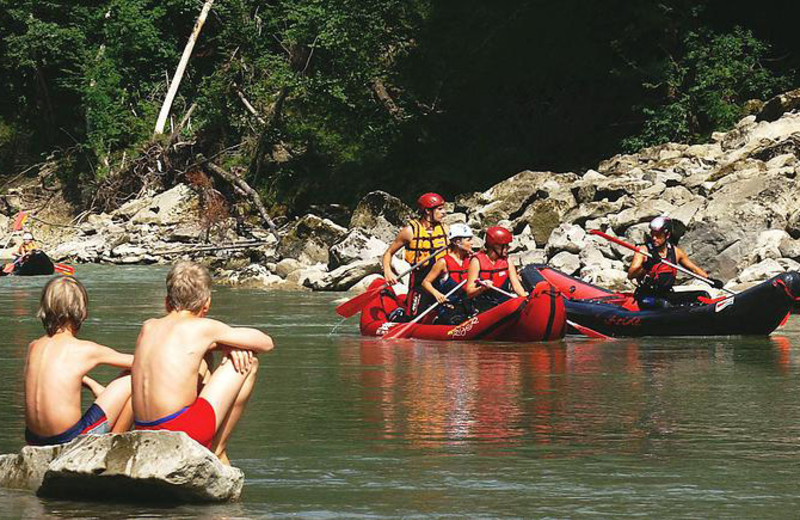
[[176, 79], [199, 249], [241, 184]]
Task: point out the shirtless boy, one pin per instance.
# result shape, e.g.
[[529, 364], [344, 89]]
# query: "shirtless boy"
[[57, 365], [169, 365]]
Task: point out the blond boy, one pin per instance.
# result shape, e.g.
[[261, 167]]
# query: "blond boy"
[[169, 357], [56, 367]]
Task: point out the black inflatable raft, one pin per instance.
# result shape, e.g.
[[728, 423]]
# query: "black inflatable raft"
[[756, 311], [36, 263]]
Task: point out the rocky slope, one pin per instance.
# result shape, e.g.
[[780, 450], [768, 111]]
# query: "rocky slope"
[[737, 196]]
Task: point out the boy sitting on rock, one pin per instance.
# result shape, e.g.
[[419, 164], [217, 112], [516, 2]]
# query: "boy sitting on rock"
[[169, 368], [57, 365]]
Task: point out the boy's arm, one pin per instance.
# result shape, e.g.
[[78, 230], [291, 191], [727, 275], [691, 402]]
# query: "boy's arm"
[[102, 355], [239, 337]]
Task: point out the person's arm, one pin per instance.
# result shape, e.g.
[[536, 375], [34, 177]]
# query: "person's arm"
[[636, 270], [245, 338], [438, 268], [683, 259], [516, 284], [401, 240], [471, 287], [102, 355]]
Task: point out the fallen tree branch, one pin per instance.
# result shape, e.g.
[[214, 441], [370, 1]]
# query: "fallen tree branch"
[[240, 183], [200, 249]]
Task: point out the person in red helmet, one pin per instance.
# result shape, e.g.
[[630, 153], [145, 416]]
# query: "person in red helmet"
[[491, 267], [425, 240]]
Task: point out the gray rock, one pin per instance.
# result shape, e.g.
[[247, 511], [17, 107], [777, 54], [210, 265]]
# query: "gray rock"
[[309, 239], [128, 250], [344, 277], [287, 266], [568, 263], [26, 469], [186, 232], [789, 248], [768, 245], [381, 215], [307, 276], [566, 237], [779, 105], [141, 466], [761, 271], [356, 245]]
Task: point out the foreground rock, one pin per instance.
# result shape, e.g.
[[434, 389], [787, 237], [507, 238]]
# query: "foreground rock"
[[134, 466]]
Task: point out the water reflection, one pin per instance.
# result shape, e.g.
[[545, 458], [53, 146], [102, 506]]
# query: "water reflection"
[[620, 394]]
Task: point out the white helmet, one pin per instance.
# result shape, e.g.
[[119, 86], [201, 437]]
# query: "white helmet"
[[459, 230], [27, 236]]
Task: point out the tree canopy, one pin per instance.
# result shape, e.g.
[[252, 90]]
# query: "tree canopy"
[[321, 100]]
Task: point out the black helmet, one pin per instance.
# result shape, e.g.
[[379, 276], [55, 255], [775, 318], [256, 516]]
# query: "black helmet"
[[661, 224]]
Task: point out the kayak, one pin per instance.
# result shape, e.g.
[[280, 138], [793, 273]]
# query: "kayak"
[[758, 310], [539, 317], [36, 263]]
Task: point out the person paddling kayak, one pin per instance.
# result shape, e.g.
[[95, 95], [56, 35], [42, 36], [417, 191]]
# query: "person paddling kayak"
[[448, 272], [423, 238], [491, 267], [655, 278]]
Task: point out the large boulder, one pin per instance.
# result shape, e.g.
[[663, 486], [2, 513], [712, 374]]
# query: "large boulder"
[[26, 469], [309, 239], [140, 466], [566, 237], [779, 105], [357, 245], [381, 215], [178, 204], [344, 277]]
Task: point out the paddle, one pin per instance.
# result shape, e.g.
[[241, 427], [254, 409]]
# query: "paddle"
[[354, 305], [64, 269], [586, 331], [403, 330], [665, 261]]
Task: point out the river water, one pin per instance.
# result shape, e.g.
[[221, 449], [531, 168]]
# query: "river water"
[[346, 427]]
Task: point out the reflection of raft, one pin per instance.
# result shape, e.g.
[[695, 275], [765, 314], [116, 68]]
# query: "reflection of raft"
[[36, 263], [756, 311], [540, 316]]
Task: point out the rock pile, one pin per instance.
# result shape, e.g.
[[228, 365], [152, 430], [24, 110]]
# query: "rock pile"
[[737, 197], [134, 466]]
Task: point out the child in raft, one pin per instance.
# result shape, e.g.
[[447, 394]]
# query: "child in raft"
[[173, 389], [58, 363], [447, 273], [490, 268]]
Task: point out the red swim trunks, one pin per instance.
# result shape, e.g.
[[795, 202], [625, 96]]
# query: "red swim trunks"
[[198, 421]]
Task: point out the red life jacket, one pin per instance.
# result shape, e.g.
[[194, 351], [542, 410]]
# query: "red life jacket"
[[661, 277], [457, 271], [497, 271]]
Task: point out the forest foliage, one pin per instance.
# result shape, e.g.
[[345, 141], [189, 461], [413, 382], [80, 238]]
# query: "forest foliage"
[[321, 100]]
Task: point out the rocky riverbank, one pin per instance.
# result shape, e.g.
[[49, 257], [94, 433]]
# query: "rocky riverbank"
[[737, 197]]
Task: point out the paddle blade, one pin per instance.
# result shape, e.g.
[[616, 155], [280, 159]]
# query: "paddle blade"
[[22, 217], [64, 269], [354, 305], [586, 331], [400, 331]]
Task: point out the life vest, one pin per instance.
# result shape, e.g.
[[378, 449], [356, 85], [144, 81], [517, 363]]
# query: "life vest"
[[660, 277], [496, 271], [424, 242], [455, 269]]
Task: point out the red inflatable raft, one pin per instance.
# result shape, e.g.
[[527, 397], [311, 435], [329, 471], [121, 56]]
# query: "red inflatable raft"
[[539, 317]]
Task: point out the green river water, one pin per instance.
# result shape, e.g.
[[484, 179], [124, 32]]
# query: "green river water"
[[346, 427]]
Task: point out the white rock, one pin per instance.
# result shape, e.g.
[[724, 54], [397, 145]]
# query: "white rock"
[[356, 245], [566, 237], [761, 271], [566, 262]]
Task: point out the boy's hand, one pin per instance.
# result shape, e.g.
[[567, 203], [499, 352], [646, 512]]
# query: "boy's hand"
[[241, 359]]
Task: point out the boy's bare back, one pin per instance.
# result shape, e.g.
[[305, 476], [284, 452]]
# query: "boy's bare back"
[[169, 352]]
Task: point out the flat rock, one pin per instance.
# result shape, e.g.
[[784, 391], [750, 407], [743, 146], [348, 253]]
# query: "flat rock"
[[140, 466], [26, 469]]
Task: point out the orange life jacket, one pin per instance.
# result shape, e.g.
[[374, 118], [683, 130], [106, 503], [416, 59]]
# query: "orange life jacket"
[[424, 242]]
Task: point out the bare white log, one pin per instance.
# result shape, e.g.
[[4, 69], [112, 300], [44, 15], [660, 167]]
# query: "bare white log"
[[176, 79]]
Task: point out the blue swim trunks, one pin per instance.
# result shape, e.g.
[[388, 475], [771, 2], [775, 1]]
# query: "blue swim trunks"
[[94, 421]]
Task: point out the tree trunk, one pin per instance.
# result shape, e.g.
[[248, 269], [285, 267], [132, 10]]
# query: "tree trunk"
[[240, 183], [176, 79]]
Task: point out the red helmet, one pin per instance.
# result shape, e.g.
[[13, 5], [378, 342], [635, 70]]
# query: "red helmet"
[[430, 201], [498, 236]]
